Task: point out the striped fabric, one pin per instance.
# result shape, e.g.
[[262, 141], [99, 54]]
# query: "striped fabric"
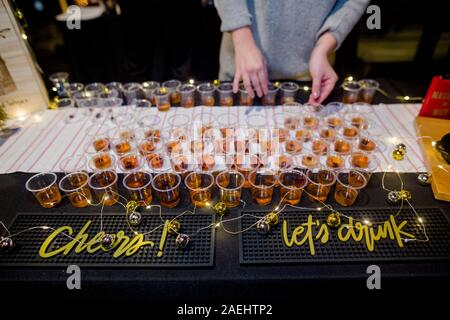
[[45, 139]]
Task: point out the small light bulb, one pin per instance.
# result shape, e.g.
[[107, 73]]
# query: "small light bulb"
[[319, 209], [276, 208], [191, 81], [420, 220], [217, 225], [306, 88], [24, 36], [349, 78], [433, 143], [367, 222], [406, 98]]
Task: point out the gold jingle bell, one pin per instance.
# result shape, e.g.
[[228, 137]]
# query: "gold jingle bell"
[[272, 219], [404, 195], [401, 147], [220, 208], [174, 227], [131, 206], [393, 198], [333, 220], [398, 155]]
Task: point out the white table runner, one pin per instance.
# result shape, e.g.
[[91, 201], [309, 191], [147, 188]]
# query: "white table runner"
[[45, 139]]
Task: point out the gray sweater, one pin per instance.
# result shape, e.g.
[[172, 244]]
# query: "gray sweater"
[[285, 30]]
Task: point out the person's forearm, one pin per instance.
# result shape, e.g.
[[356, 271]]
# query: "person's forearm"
[[325, 44]]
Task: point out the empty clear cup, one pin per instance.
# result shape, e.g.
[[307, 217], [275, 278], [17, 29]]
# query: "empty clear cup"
[[148, 89], [131, 91], [94, 89]]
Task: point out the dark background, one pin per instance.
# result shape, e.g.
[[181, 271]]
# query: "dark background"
[[164, 39]]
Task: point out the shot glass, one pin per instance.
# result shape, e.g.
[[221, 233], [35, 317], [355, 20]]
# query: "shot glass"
[[320, 181], [122, 146], [104, 185], [262, 182], [356, 120], [244, 97], [148, 89], [181, 164], [99, 137], [308, 160], [167, 187], [75, 186], [206, 91], [141, 103], [368, 89], [311, 121], [162, 99], [288, 92], [333, 121], [108, 93], [320, 147], [348, 185], [187, 95], [334, 161], [102, 161], [200, 186], [342, 146], [74, 87], [74, 163], [367, 144], [172, 88], [130, 162], [139, 187], [292, 183], [225, 90], [349, 132], [294, 144], [245, 163], [94, 89], [351, 92], [44, 188], [131, 91], [230, 185], [328, 134], [270, 99], [360, 159], [158, 162], [114, 85]]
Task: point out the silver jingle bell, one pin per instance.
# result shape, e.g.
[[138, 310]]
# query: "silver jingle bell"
[[424, 179], [393, 198], [263, 226], [135, 218], [6, 243], [182, 240], [108, 240]]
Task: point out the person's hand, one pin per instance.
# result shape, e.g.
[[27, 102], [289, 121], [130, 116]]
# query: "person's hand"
[[250, 65], [322, 73]]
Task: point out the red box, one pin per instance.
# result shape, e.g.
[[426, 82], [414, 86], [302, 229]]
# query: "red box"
[[437, 101]]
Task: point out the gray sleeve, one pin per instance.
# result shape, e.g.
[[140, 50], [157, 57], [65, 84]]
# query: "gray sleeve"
[[343, 18], [233, 13]]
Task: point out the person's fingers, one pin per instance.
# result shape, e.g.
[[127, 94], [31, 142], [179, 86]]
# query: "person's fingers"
[[326, 89], [264, 78], [237, 78], [315, 89], [247, 85], [256, 85]]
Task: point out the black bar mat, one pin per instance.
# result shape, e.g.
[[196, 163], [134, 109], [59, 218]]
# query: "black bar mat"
[[25, 253], [271, 249]]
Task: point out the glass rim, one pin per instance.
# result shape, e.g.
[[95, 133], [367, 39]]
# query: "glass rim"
[[179, 155], [137, 188], [100, 172], [230, 172], [27, 184], [294, 86], [349, 186], [369, 84], [57, 76], [131, 86], [321, 183], [351, 86], [293, 171], [187, 88], [200, 173], [171, 84], [150, 85], [67, 177], [100, 86], [178, 177], [263, 186], [139, 158], [209, 87], [228, 87], [161, 92]]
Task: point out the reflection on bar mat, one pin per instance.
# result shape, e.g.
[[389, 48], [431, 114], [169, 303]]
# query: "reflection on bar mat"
[[198, 253], [271, 248]]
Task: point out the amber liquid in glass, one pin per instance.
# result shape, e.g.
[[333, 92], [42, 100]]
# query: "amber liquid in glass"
[[268, 100], [49, 197], [291, 196], [246, 101], [188, 102], [208, 101], [200, 198], [345, 196], [102, 162], [123, 147], [168, 198], [101, 144], [163, 106], [81, 198], [317, 192], [129, 162], [262, 196], [226, 101], [175, 97]]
